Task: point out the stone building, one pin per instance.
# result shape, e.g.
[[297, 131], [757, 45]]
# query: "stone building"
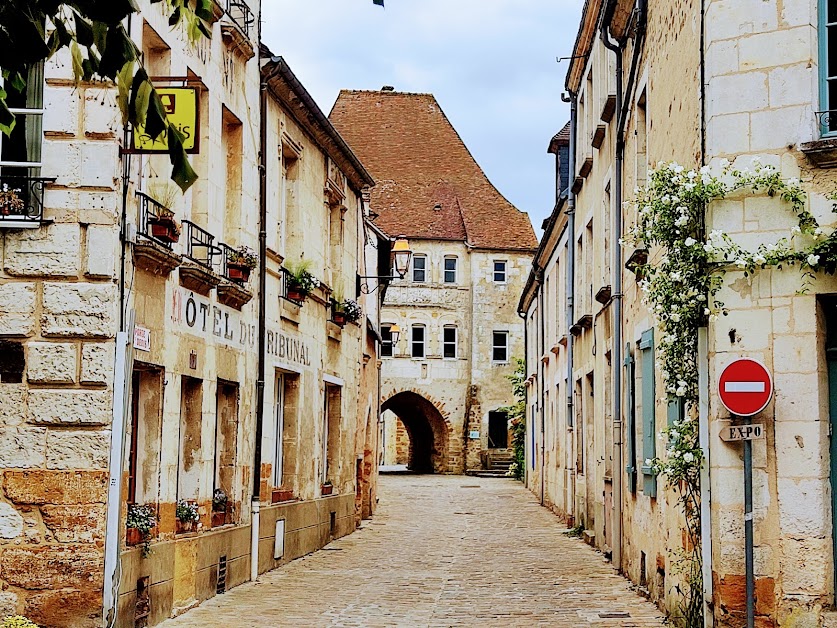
[[445, 378], [700, 83], [134, 363]]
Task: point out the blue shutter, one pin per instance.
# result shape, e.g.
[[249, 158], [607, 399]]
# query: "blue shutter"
[[649, 425], [675, 411], [630, 403]]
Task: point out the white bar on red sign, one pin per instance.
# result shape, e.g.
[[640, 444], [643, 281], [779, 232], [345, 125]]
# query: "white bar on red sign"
[[744, 387]]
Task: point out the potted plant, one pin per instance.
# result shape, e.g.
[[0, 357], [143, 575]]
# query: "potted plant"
[[187, 516], [10, 201], [162, 223], [301, 282], [219, 508], [240, 262], [281, 494], [141, 520], [347, 311], [327, 488]]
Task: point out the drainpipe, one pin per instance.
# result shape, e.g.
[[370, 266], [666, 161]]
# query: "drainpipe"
[[257, 453], [573, 100], [542, 369], [525, 318], [616, 357]]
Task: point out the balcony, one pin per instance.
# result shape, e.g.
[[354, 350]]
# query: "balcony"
[[22, 201], [231, 290], [157, 232], [197, 271], [238, 32]]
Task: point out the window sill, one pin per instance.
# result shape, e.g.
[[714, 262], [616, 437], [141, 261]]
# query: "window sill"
[[822, 152]]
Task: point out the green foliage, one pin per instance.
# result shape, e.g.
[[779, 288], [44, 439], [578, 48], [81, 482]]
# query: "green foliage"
[[517, 415], [576, 532], [219, 500], [350, 308], [142, 517], [301, 277], [186, 511], [245, 256], [17, 621], [100, 48]]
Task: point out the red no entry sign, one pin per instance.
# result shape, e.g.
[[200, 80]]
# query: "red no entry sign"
[[745, 387]]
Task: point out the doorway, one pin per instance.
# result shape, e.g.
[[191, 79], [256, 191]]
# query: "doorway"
[[498, 430]]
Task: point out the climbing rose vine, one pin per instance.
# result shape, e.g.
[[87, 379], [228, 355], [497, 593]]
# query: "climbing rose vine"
[[680, 277]]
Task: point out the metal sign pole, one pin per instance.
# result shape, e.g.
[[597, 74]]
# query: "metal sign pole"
[[748, 532]]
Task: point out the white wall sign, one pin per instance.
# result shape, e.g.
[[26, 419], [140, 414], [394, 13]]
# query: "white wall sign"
[[142, 338]]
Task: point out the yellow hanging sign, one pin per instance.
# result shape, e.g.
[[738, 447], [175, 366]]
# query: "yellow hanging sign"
[[181, 107]]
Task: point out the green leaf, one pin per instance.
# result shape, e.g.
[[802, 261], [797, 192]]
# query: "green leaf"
[[182, 173], [156, 120], [123, 86], [78, 63], [119, 49], [17, 82], [7, 118], [84, 31], [141, 103]]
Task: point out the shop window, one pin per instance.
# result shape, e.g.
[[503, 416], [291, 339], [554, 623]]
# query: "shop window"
[[191, 418], [500, 347], [449, 342], [387, 346], [450, 269], [419, 268], [331, 433], [417, 341], [145, 434], [226, 436]]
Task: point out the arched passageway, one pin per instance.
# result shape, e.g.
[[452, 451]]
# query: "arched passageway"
[[427, 431]]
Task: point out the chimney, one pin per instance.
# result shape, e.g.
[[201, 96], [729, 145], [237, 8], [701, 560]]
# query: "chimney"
[[387, 88]]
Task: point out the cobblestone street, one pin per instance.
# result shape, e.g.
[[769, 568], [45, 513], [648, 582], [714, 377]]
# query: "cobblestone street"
[[442, 551]]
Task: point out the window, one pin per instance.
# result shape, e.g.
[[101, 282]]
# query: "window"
[[419, 268], [331, 433], [449, 342], [828, 66], [386, 341], [287, 428], [20, 152], [450, 270], [226, 437], [190, 474], [417, 341], [499, 272], [500, 348], [649, 426], [231, 143], [144, 437]]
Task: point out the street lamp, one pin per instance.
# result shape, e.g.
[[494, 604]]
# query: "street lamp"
[[401, 256], [394, 333]]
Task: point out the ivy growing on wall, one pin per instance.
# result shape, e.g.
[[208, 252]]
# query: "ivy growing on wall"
[[681, 281]]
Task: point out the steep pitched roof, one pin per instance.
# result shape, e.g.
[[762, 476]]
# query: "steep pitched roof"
[[561, 138], [429, 185]]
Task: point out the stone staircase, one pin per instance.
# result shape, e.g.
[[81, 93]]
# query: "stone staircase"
[[496, 463]]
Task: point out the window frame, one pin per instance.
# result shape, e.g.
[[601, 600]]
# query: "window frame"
[[422, 342], [413, 269], [386, 330], [455, 270], [20, 112], [454, 342], [494, 346], [823, 78], [505, 271]]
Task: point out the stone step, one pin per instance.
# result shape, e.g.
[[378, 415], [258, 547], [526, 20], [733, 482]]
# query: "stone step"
[[486, 473]]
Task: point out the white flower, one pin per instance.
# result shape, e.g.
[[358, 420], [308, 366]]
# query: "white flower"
[[680, 392], [689, 186], [688, 457], [704, 170], [795, 230], [709, 248], [793, 182], [690, 241], [675, 318], [759, 259], [741, 262], [636, 191], [648, 462], [706, 311], [674, 434], [713, 318], [812, 259], [818, 232]]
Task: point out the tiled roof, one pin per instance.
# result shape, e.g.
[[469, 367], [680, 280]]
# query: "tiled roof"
[[561, 138], [429, 185]]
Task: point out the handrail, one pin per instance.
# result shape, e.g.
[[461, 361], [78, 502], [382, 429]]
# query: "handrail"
[[241, 14], [200, 247], [151, 211]]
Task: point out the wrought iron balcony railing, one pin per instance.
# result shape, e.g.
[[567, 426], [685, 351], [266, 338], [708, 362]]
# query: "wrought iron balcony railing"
[[22, 201], [156, 222], [200, 245], [241, 14], [827, 120]]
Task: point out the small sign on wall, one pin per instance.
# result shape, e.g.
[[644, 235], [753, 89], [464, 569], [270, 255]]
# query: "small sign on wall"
[[142, 338], [474, 435], [279, 543]]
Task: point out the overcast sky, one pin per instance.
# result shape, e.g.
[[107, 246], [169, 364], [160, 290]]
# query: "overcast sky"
[[490, 63]]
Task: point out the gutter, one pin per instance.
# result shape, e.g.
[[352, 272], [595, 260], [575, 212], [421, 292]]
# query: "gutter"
[[542, 368]]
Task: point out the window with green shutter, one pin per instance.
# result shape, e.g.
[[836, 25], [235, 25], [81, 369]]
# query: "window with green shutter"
[[649, 426], [630, 428], [827, 115]]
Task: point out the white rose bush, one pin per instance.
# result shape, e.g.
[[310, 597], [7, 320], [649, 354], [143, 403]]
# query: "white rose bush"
[[680, 281]]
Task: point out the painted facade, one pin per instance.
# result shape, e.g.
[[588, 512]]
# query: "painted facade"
[[701, 83], [169, 325]]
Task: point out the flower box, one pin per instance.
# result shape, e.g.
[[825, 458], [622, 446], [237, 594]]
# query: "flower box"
[[219, 519], [295, 294], [326, 489], [133, 537], [339, 318], [281, 495], [164, 229], [238, 272], [184, 526]]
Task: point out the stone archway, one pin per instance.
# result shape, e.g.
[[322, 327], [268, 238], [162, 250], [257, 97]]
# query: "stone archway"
[[428, 429]]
